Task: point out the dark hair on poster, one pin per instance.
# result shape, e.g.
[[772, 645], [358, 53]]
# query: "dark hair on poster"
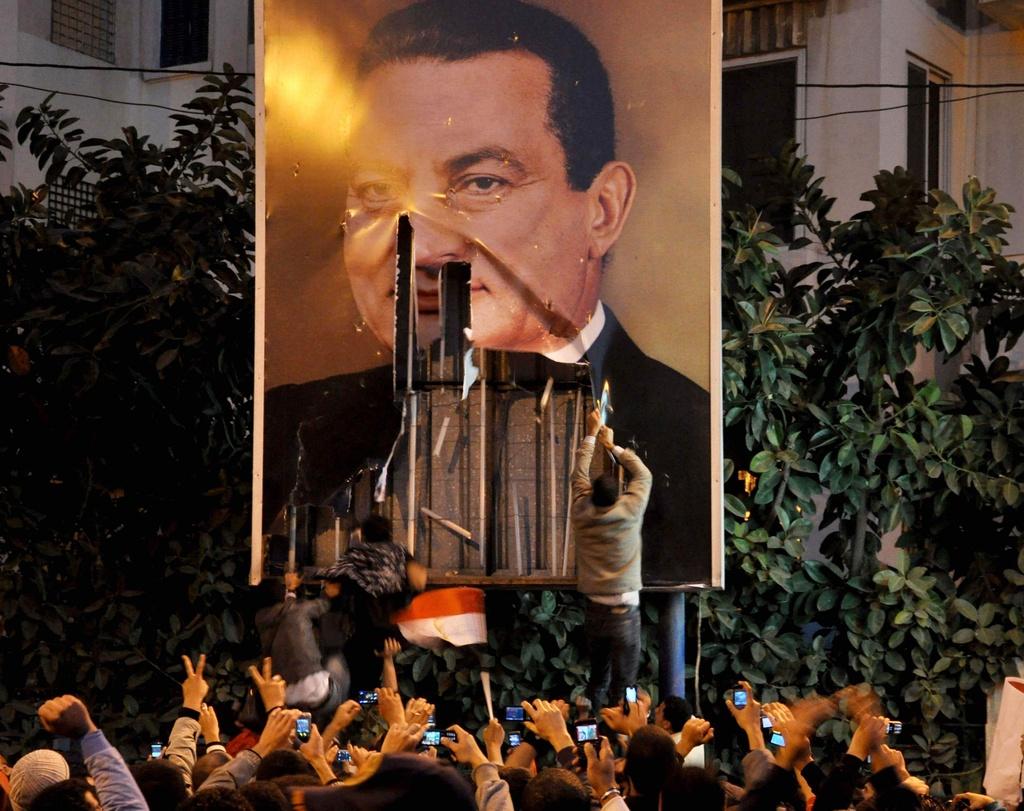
[[580, 109]]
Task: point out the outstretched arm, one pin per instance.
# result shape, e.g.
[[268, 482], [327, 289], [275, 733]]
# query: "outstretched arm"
[[584, 455], [115, 786]]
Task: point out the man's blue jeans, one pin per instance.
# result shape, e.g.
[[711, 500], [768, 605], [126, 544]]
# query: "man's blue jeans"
[[613, 636]]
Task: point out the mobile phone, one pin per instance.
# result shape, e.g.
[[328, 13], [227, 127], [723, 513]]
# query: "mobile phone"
[[739, 698], [766, 722], [449, 735], [777, 739], [431, 723], [894, 727], [515, 714], [303, 726], [585, 731], [344, 756], [631, 694], [432, 737], [514, 740], [366, 697], [156, 750]]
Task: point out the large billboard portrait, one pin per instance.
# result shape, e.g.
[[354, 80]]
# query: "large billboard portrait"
[[480, 220]]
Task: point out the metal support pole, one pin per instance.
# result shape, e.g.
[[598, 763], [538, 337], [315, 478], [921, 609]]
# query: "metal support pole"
[[293, 535], [672, 645], [410, 516]]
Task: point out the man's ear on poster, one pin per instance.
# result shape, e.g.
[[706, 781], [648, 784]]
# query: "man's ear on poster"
[[611, 196]]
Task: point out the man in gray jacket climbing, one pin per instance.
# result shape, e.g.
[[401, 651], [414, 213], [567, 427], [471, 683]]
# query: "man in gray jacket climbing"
[[608, 546]]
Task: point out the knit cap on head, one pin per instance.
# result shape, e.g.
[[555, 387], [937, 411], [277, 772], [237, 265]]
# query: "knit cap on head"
[[34, 772]]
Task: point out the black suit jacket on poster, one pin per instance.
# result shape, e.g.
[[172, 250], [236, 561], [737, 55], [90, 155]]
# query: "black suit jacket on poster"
[[335, 425], [666, 418]]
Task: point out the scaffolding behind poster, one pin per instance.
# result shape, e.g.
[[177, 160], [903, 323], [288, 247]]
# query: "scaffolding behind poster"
[[479, 220]]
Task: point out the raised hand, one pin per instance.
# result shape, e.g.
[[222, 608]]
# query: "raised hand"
[[343, 716], [547, 721], [359, 755], [278, 732], [392, 647], [869, 735], [593, 422], [402, 737], [465, 750], [315, 752], [194, 688], [617, 720], [750, 715], [418, 711], [494, 737], [696, 731], [389, 703], [271, 688], [209, 727], [600, 768], [66, 716]]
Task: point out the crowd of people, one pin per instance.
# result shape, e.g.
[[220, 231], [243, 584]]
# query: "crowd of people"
[[631, 756]]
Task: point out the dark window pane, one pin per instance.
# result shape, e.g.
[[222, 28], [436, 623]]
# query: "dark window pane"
[[758, 118], [934, 132], [917, 122], [184, 32]]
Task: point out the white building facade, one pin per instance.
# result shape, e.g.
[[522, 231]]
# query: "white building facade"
[[143, 35]]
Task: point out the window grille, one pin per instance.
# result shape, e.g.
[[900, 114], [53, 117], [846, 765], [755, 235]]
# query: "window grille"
[[86, 26], [69, 206]]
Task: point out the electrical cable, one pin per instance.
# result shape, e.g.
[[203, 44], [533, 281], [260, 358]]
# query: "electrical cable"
[[905, 106], [1010, 87], [99, 98], [862, 85], [117, 68]]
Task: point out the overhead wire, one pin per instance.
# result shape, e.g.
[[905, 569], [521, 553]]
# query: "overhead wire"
[[120, 69], [98, 98], [997, 88]]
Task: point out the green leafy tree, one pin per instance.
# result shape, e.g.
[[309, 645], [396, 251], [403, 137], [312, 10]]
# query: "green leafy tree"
[[126, 426], [822, 406]]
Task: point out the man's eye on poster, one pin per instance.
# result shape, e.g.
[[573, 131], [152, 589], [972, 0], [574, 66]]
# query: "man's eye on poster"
[[487, 221]]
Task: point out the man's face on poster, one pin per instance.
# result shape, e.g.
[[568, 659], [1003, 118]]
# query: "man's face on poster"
[[466, 147]]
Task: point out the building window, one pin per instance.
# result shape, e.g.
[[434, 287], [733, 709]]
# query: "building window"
[[184, 32], [86, 26], [68, 205], [926, 125], [758, 118]]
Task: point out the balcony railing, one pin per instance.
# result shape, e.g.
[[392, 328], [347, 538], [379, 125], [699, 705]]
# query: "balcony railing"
[[754, 27]]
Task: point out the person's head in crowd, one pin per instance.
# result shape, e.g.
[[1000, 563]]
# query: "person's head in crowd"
[[160, 783], [376, 529], [672, 713], [693, 789], [399, 782], [650, 760], [287, 781], [75, 794], [555, 790], [604, 490], [282, 762], [216, 799], [516, 778], [206, 764], [263, 795], [34, 772]]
